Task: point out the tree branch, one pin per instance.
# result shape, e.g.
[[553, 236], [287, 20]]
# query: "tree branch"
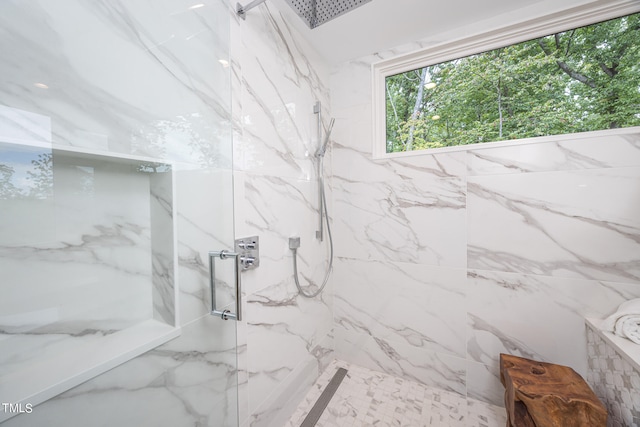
[[571, 34], [543, 47], [393, 104], [564, 67], [416, 109], [575, 75], [611, 72]]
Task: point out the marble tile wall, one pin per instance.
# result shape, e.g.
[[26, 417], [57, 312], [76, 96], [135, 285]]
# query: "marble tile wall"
[[446, 260], [434, 273], [285, 340], [182, 383], [136, 80], [91, 268], [68, 227]]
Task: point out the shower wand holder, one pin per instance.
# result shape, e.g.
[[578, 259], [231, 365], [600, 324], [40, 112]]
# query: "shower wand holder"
[[294, 243]]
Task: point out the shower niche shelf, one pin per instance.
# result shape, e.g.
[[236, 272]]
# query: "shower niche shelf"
[[88, 258]]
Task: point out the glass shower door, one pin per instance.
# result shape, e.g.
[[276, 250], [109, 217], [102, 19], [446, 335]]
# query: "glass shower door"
[[115, 184]]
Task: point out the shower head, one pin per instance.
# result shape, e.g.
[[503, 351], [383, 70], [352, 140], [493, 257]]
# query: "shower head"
[[317, 12], [323, 148]]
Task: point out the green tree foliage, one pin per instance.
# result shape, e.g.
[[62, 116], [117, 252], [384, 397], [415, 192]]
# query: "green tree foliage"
[[41, 176], [7, 189], [574, 81]]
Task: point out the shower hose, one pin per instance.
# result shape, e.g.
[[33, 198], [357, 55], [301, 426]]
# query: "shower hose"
[[295, 250]]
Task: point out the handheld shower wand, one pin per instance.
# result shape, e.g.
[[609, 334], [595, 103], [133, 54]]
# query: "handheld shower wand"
[[294, 242], [323, 148]]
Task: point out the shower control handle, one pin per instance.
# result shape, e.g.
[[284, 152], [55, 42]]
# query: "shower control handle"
[[249, 250], [246, 245], [247, 261]]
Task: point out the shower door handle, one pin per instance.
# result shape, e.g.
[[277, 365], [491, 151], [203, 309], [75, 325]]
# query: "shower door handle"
[[225, 314]]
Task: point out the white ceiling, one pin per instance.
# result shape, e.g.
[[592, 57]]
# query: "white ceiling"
[[384, 24]]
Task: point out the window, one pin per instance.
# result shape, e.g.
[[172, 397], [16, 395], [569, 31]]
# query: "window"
[[577, 80]]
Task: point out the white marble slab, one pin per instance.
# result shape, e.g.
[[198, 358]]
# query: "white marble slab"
[[283, 330], [417, 305], [170, 100], [395, 358], [202, 226], [536, 317], [93, 274], [592, 150], [163, 247], [483, 383], [575, 224], [282, 78], [282, 402], [38, 382], [405, 214], [277, 79], [276, 209], [549, 233], [65, 48], [182, 383]]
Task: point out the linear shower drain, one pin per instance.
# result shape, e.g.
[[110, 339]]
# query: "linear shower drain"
[[318, 408]]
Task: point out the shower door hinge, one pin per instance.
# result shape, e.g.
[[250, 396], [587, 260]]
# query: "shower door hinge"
[[249, 250]]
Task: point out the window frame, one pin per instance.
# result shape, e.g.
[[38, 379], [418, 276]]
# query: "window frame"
[[508, 35]]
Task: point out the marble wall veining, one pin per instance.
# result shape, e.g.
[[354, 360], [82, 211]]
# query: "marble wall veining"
[[447, 259], [130, 81], [285, 339], [442, 260], [272, 80]]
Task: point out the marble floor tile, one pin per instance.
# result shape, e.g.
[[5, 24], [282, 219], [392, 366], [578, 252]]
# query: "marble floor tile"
[[369, 398]]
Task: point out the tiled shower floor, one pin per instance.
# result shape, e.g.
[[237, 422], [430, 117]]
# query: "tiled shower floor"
[[368, 398]]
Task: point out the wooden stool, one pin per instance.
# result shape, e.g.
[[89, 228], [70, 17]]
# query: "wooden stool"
[[539, 394]]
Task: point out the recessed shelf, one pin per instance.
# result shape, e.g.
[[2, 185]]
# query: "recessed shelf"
[[88, 255]]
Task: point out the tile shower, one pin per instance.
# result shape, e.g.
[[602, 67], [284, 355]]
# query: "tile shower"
[[115, 129], [447, 260], [430, 281], [614, 376]]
